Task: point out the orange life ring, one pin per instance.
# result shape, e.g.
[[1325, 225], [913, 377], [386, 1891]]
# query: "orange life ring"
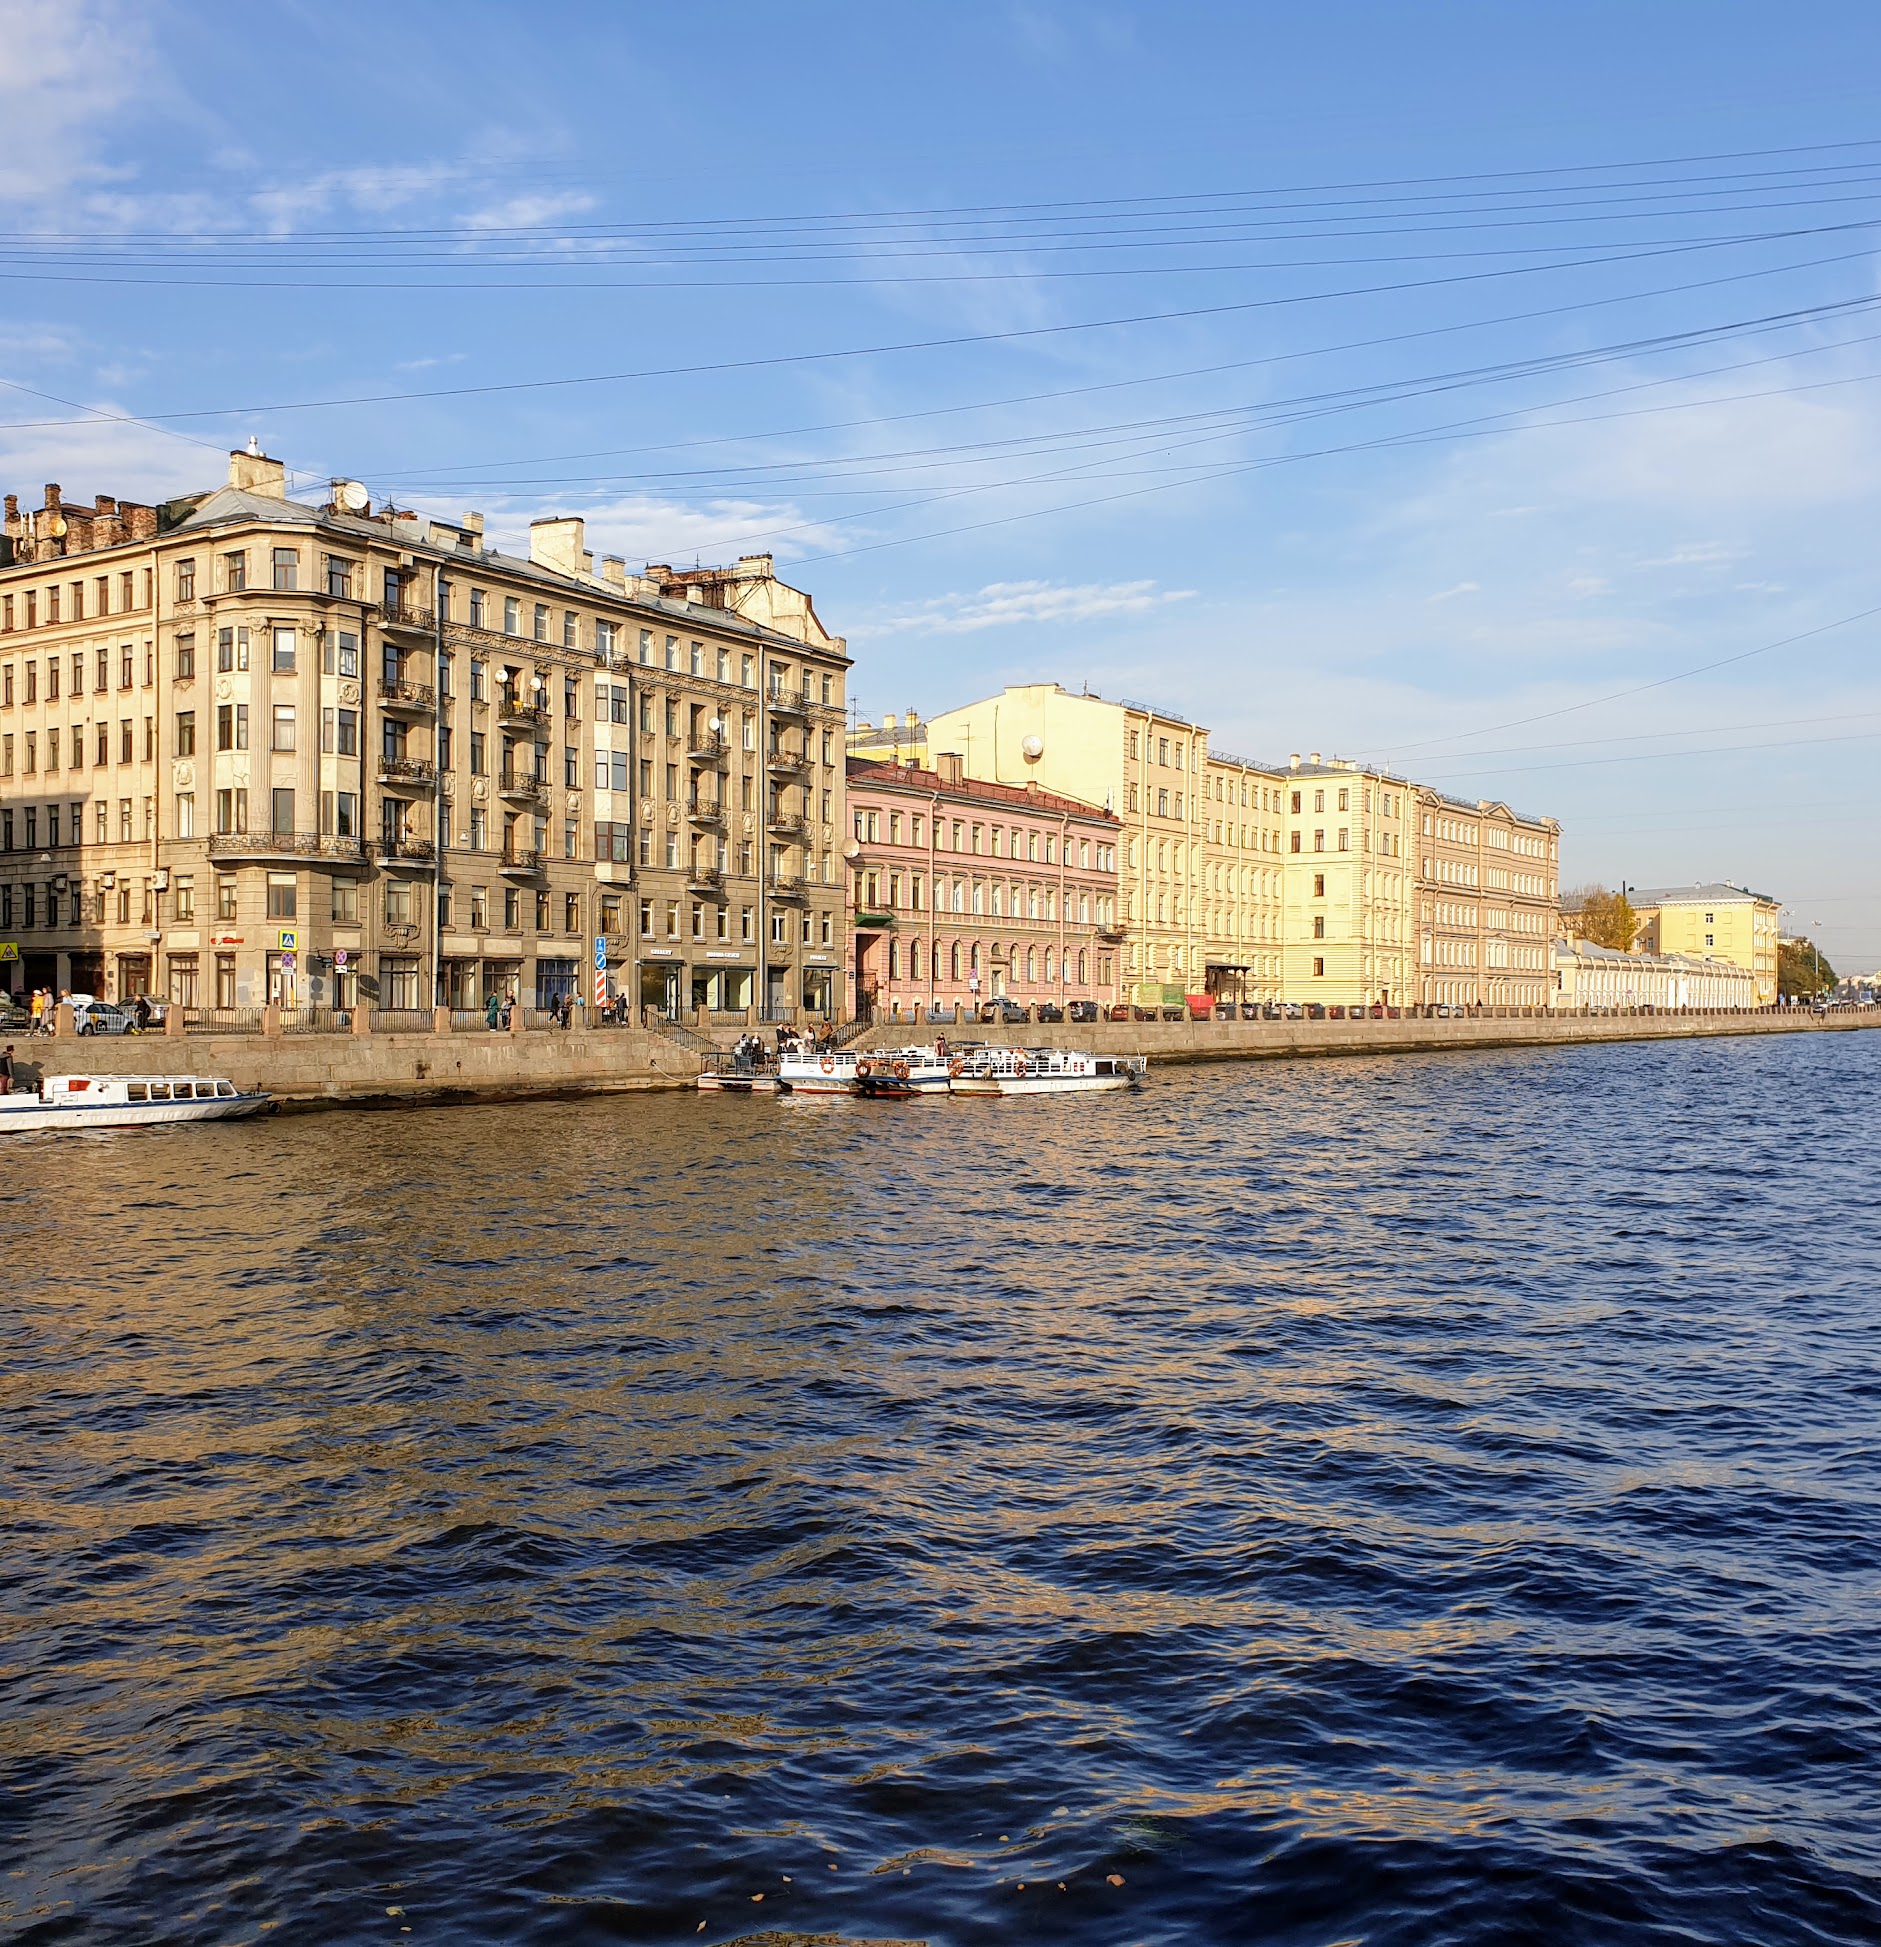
[[956, 1068], [1018, 1065], [864, 1069], [828, 1065], [901, 1071]]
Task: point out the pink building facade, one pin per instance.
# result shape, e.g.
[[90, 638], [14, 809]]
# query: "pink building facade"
[[963, 892]]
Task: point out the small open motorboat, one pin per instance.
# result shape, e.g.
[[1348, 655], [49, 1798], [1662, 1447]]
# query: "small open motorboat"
[[125, 1102]]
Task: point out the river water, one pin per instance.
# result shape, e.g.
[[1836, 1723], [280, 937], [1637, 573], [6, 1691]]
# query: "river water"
[[1426, 1500]]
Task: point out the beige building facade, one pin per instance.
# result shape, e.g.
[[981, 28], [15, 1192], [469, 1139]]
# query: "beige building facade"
[[1607, 981], [1716, 920], [256, 751], [1488, 903], [1202, 861]]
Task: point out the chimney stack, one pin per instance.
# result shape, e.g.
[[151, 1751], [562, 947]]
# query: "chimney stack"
[[951, 767]]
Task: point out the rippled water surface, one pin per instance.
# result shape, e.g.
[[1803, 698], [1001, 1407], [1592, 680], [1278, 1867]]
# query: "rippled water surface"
[[1413, 1501]]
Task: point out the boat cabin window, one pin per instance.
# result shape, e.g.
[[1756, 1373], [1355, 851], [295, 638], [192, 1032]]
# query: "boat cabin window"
[[160, 1091], [136, 1092]]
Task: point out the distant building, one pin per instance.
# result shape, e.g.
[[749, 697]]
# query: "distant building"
[[1718, 920], [1607, 980], [964, 891], [1488, 903]]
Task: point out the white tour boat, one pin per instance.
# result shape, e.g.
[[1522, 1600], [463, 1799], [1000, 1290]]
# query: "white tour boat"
[[869, 1071], [124, 1102], [1044, 1071]]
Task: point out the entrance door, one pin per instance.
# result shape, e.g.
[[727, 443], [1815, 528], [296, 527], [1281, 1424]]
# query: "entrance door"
[[659, 988]]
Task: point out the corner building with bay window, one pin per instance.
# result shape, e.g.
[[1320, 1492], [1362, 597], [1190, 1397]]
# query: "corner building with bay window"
[[256, 751]]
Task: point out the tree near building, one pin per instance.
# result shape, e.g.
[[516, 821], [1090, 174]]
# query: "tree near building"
[[1802, 969], [1606, 918]]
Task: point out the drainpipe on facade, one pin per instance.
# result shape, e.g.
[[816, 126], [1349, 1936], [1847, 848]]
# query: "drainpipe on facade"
[[438, 822]]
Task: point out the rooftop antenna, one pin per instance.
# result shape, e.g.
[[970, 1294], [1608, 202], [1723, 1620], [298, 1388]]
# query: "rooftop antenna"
[[254, 447]]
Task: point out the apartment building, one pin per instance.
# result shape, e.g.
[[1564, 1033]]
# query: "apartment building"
[[1201, 868], [255, 750], [965, 891], [1488, 903], [1348, 876], [1717, 920]]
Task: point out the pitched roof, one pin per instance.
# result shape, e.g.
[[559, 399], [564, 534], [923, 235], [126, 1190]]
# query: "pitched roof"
[[1715, 892]]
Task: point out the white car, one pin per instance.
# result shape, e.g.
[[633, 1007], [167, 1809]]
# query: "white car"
[[90, 1015]]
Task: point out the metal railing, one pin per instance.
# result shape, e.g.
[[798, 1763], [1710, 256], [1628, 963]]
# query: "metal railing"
[[222, 1020], [400, 616], [522, 784], [406, 770], [316, 1020], [511, 709], [283, 845], [410, 851], [789, 886], [712, 815], [708, 750], [408, 696], [784, 763], [786, 824], [401, 1020], [705, 878], [521, 862]]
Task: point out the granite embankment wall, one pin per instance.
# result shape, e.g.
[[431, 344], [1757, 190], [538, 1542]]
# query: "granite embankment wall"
[[384, 1070], [1181, 1041], [406, 1069]]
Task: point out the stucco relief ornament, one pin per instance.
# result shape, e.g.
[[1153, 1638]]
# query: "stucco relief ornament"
[[751, 821], [672, 814], [349, 691], [225, 689], [646, 811], [479, 790], [185, 776], [574, 804], [447, 784]]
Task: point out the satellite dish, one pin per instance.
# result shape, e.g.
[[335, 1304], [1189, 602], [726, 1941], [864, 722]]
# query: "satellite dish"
[[1033, 749], [353, 497], [718, 724], [56, 526], [852, 850]]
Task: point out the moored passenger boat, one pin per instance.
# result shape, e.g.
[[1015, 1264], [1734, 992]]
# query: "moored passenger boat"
[[1045, 1071], [125, 1102]]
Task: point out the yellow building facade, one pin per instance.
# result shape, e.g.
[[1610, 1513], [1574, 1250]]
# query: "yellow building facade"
[[1717, 921], [1347, 884]]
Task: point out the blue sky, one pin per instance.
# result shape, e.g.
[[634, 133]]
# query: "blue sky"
[[1435, 384]]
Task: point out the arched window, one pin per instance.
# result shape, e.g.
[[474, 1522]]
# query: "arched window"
[[1083, 977], [1031, 963], [953, 961], [914, 959], [1049, 963], [894, 959], [973, 957]]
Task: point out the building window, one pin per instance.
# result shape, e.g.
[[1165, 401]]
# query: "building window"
[[282, 895], [286, 571], [234, 572], [1319, 967]]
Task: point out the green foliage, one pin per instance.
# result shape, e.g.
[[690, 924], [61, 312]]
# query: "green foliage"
[[1802, 969], [1606, 918]]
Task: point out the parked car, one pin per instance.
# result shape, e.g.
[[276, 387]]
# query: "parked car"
[[90, 1015], [1250, 1010], [1292, 1011], [1335, 1013], [1000, 1008], [1048, 1011], [1123, 1011], [1082, 1011], [1314, 1011]]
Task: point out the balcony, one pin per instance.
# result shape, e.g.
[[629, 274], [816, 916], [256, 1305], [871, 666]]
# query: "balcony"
[[706, 817], [705, 878], [406, 773], [524, 864], [514, 714], [1111, 935], [523, 787], [789, 886], [287, 846], [420, 699], [708, 750], [786, 824], [878, 921], [414, 621], [785, 765], [787, 703], [404, 851]]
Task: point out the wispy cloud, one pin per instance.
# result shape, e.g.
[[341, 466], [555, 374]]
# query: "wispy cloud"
[[1002, 604], [528, 212], [1695, 554], [1450, 594]]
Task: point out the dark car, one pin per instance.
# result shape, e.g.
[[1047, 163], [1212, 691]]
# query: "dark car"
[[1272, 1011], [1336, 1013], [1314, 1011], [1048, 1011], [1082, 1011]]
